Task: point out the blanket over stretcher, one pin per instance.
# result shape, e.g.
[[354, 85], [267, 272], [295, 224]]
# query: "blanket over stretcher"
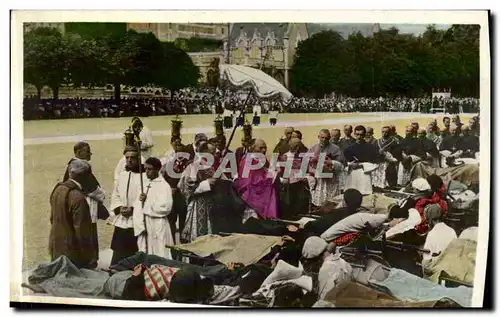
[[238, 248], [61, 278], [407, 287], [373, 203], [467, 174], [458, 261], [353, 294]]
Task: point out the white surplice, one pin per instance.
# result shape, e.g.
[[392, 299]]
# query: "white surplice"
[[125, 193], [94, 199], [120, 167], [361, 178], [151, 225]]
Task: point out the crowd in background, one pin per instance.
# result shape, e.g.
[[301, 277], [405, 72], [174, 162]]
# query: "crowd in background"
[[204, 101]]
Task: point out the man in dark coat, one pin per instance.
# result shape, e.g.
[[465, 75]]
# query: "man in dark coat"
[[71, 232], [90, 186], [282, 147]]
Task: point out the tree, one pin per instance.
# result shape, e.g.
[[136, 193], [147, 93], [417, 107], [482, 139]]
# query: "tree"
[[131, 59], [46, 59], [319, 64], [86, 64], [95, 30], [177, 70], [389, 63]]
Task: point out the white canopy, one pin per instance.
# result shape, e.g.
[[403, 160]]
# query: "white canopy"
[[263, 85]]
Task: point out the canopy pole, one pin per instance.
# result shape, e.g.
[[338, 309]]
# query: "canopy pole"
[[242, 114]]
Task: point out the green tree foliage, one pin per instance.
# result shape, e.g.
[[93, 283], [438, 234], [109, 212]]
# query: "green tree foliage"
[[87, 63], [177, 70], [90, 58], [131, 59], [46, 59], [95, 30], [389, 63], [320, 63]]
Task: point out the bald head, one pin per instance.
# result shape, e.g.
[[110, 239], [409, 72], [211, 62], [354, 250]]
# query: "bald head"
[[259, 146], [79, 170], [324, 137], [288, 132], [422, 133], [348, 130], [335, 135], [369, 130], [409, 130]]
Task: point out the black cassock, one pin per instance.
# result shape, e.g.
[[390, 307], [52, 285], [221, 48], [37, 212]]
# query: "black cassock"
[[362, 153]]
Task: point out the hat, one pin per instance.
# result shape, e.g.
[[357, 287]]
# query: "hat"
[[313, 247], [199, 136], [421, 184], [432, 213]]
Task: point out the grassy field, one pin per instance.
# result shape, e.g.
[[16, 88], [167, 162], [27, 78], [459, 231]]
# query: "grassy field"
[[45, 164], [47, 128]]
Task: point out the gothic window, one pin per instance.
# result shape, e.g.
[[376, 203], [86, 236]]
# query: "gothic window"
[[269, 47]]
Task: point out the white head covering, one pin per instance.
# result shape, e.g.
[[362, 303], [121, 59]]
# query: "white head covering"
[[421, 184], [313, 247]]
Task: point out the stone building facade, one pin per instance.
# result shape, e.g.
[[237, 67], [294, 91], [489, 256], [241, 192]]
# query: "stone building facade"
[[172, 31], [271, 44], [34, 25]]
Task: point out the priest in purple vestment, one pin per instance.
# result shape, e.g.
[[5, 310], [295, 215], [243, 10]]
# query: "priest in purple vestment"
[[255, 185]]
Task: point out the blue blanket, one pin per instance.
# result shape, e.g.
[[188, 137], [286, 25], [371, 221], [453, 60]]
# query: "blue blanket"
[[407, 287], [62, 278]]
